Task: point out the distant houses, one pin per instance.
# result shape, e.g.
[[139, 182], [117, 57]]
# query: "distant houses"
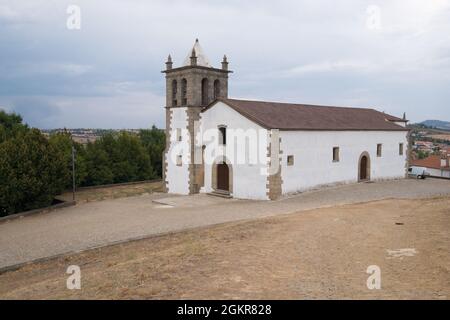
[[85, 136], [433, 156], [437, 165], [431, 147], [426, 146]]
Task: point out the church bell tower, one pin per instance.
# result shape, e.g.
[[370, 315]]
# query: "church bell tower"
[[189, 89]]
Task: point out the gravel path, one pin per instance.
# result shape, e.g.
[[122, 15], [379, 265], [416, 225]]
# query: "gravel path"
[[105, 222]]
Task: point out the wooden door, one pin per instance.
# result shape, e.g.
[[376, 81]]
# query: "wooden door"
[[223, 177], [363, 169]]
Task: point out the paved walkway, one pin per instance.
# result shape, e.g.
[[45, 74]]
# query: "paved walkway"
[[101, 223]]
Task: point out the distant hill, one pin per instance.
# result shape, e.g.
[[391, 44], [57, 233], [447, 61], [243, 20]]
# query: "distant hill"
[[438, 124]]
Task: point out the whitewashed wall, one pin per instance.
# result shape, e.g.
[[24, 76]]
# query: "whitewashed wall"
[[439, 173], [249, 180], [313, 157], [312, 150], [178, 176], [400, 123]]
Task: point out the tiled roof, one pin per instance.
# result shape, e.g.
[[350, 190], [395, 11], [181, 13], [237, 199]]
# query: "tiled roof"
[[288, 116], [433, 161]]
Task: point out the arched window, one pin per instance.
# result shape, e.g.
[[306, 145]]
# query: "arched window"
[[174, 92], [183, 92], [205, 97], [216, 89]]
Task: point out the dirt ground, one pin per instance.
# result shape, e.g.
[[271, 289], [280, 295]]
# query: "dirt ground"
[[99, 193], [321, 253]]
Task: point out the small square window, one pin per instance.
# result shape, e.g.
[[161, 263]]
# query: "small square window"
[[400, 149], [379, 150], [290, 160], [179, 160], [336, 154]]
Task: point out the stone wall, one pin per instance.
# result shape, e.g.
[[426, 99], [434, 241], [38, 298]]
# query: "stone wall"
[[408, 153], [195, 169], [166, 150], [274, 153], [194, 77]]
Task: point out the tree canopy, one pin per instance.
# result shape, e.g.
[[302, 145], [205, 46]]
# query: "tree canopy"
[[32, 172], [154, 140], [10, 125], [34, 168]]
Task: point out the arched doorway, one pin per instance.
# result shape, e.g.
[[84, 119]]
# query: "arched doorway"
[[364, 167], [223, 177]]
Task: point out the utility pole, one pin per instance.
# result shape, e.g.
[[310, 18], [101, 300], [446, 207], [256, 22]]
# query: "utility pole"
[[73, 172]]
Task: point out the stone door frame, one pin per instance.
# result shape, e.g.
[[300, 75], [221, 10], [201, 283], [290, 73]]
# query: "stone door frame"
[[368, 162], [220, 160]]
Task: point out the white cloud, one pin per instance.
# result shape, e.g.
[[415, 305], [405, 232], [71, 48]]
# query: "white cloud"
[[6, 13], [19, 12], [46, 68], [297, 50], [412, 17], [71, 69], [333, 66], [133, 110]]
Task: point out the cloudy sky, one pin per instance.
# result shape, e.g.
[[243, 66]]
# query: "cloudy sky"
[[391, 55]]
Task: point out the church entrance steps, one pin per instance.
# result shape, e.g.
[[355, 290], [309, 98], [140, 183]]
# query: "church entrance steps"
[[195, 200], [220, 193]]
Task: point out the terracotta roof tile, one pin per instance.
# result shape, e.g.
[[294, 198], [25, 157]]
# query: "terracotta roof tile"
[[433, 161], [288, 116]]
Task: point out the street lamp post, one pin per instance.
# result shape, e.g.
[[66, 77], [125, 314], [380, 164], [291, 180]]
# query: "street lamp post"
[[73, 173]]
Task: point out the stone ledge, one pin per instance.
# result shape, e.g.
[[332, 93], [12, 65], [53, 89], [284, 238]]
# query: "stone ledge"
[[37, 211]]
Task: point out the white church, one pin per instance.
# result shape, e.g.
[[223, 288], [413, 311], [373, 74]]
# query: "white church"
[[262, 150]]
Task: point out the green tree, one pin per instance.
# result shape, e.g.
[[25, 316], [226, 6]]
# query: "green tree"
[[10, 125], [129, 159], [422, 154], [33, 169], [154, 141], [97, 166], [32, 172], [117, 158], [63, 142]]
